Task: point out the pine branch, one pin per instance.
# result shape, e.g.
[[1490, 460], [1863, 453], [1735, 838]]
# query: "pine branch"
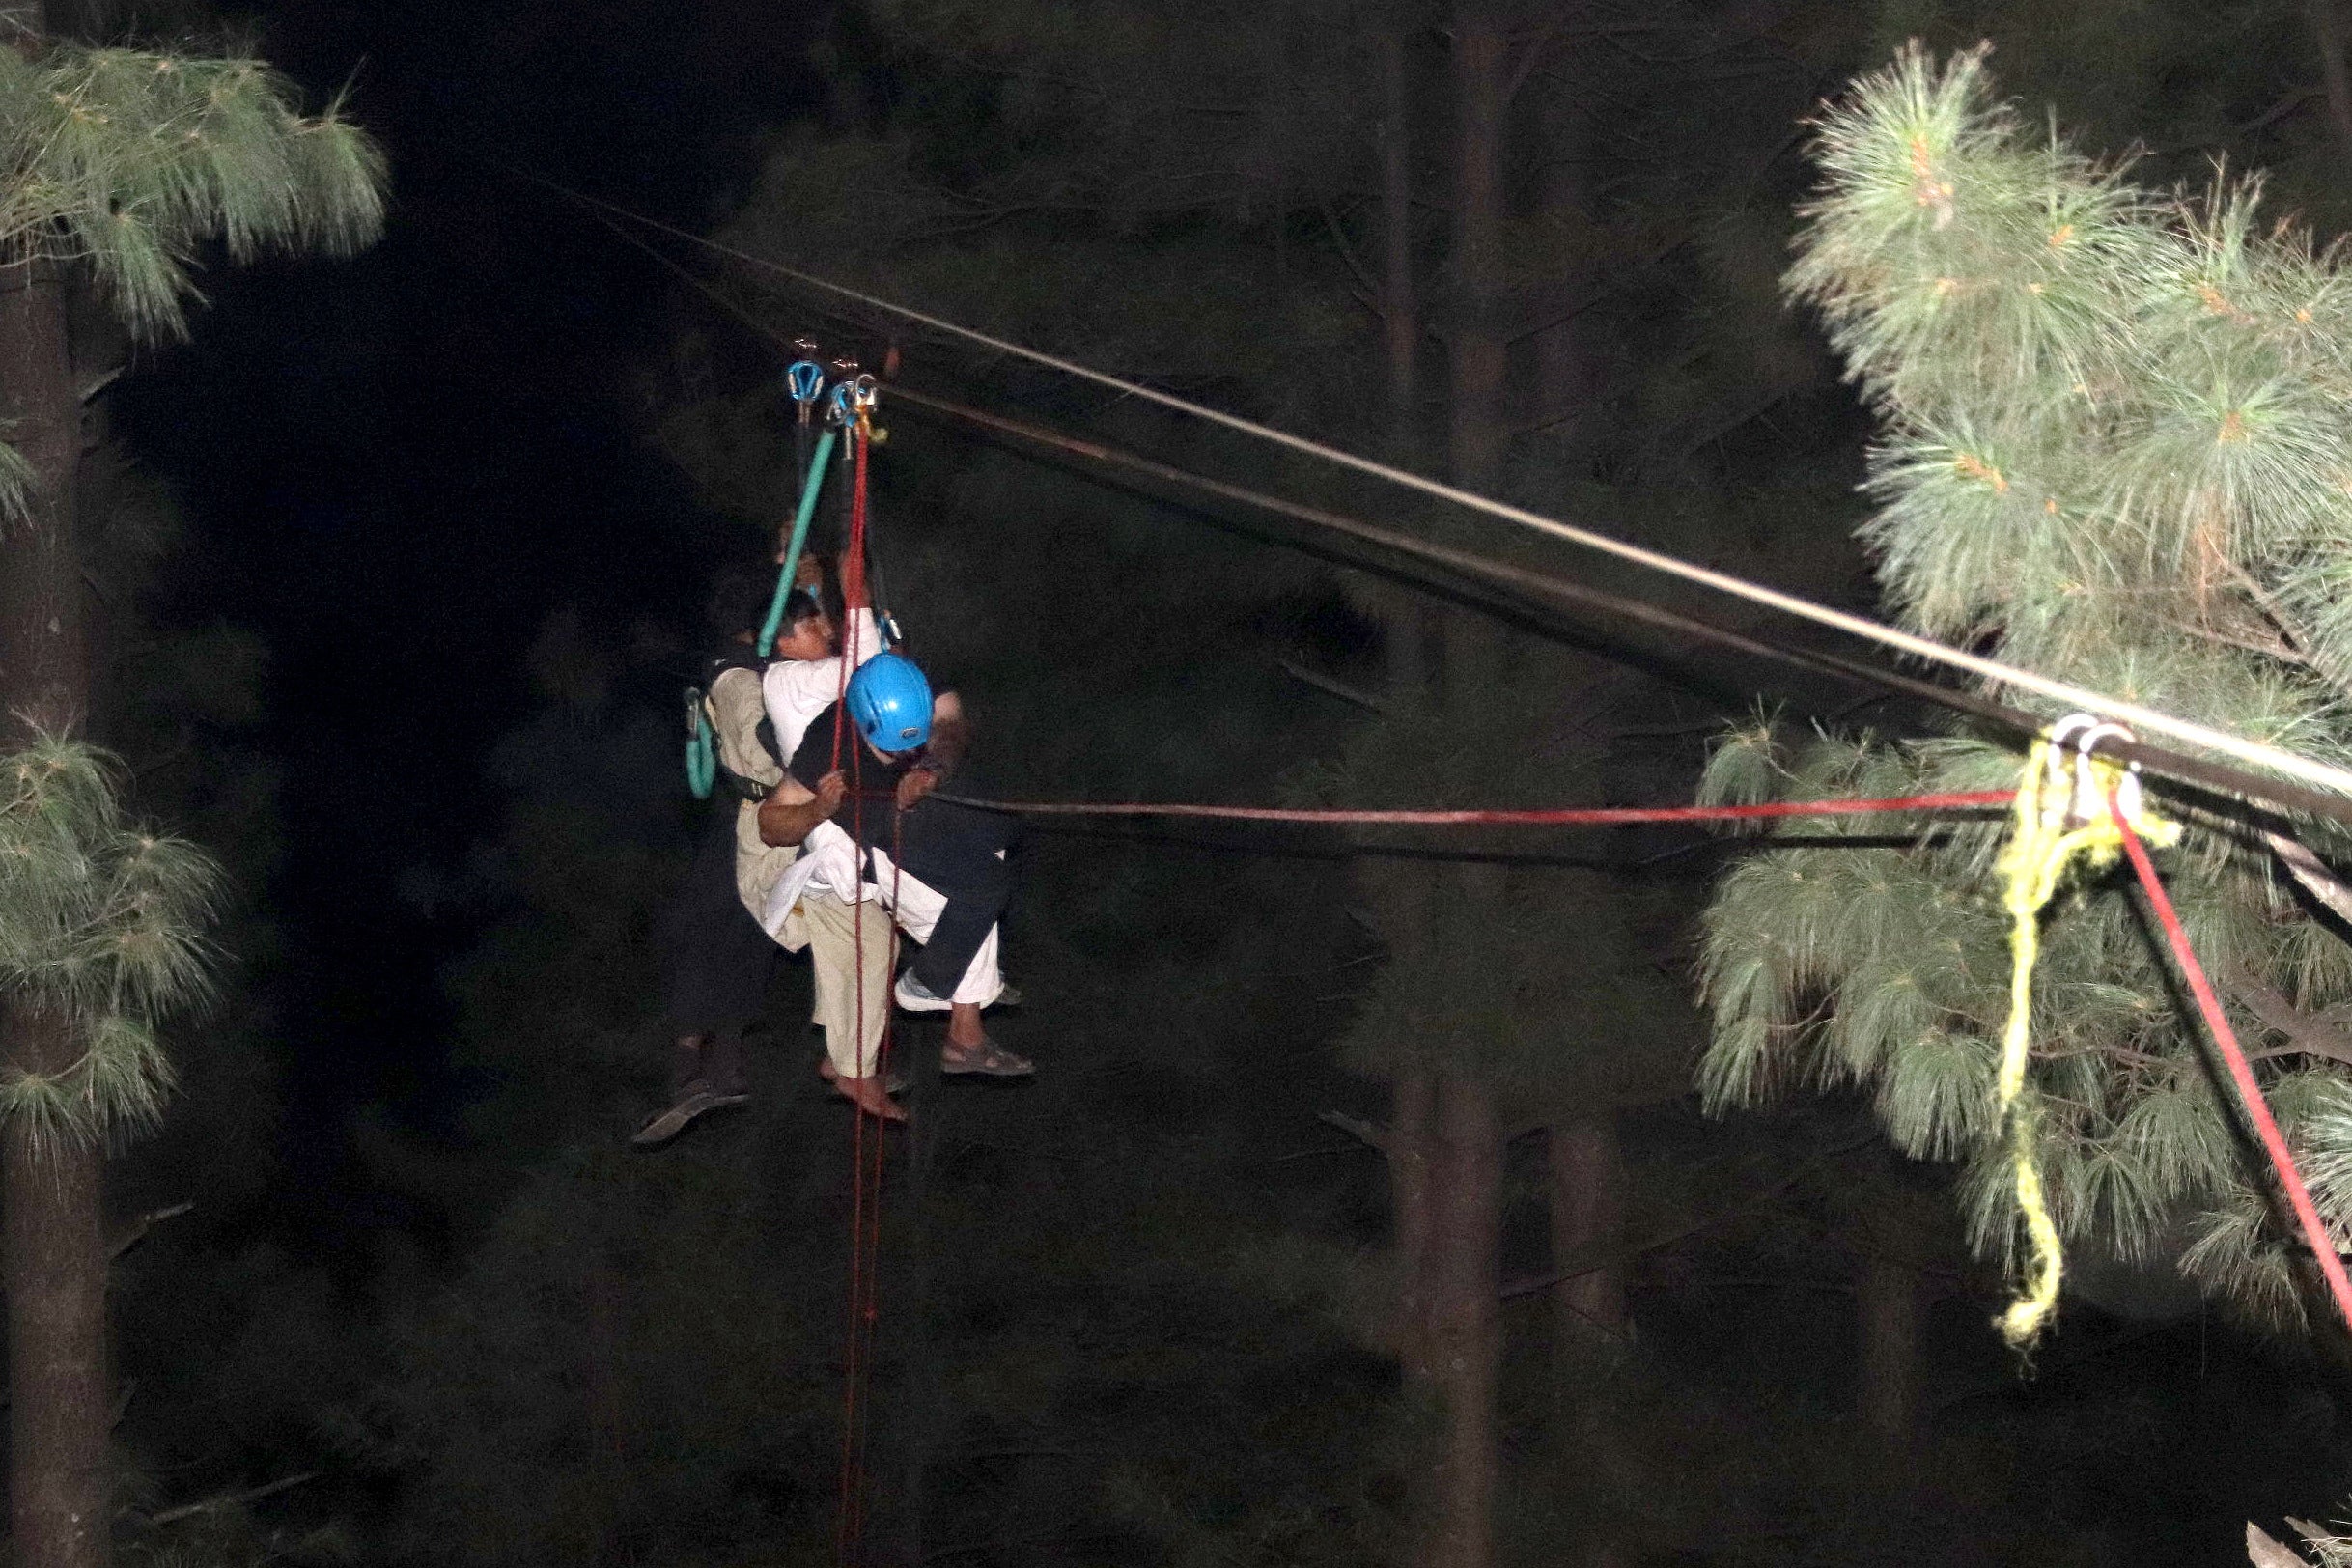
[[132, 1233], [2308, 1034], [1363, 1131], [231, 1500], [1337, 689], [2311, 874]]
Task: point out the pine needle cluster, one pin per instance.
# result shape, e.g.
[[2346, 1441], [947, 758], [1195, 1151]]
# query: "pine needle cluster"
[[2115, 447], [128, 162], [103, 922]]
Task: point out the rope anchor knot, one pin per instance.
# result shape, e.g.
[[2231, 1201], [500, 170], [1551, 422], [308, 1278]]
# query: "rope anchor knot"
[[2061, 817]]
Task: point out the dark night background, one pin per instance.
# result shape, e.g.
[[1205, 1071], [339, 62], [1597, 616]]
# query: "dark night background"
[[445, 517]]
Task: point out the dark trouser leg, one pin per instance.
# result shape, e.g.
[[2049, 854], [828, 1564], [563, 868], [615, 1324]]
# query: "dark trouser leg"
[[685, 1062], [956, 849], [724, 1063], [961, 926]]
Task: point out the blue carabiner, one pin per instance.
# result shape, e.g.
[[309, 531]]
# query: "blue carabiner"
[[845, 402], [807, 378]]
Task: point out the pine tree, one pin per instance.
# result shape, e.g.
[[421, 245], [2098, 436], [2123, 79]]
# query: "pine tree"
[[116, 167], [2114, 447]]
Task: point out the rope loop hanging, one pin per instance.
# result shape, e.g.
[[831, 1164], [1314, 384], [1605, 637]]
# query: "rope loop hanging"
[[2060, 820], [701, 747]]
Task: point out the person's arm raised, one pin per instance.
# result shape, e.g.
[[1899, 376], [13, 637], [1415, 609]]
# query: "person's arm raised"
[[951, 737]]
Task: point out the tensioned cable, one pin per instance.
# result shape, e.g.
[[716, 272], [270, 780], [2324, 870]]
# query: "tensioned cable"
[[1515, 817], [2255, 753], [2195, 771]]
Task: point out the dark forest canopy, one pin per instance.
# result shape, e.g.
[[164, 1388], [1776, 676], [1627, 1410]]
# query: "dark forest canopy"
[[1362, 1209]]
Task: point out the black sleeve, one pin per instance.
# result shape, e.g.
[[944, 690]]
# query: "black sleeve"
[[815, 758]]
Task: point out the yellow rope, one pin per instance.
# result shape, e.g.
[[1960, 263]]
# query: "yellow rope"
[[2056, 823]]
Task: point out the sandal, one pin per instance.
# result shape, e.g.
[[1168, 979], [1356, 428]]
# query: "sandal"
[[987, 1060], [675, 1118]]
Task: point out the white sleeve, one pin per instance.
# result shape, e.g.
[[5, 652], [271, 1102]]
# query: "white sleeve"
[[796, 690], [861, 639]]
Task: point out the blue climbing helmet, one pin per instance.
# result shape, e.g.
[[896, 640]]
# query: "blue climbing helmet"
[[890, 703]]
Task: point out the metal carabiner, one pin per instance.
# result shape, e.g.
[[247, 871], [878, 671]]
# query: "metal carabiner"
[[2087, 801]]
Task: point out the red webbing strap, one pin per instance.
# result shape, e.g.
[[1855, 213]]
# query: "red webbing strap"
[[852, 573], [1564, 817], [848, 1527], [2241, 1070], [864, 1188], [865, 1178]]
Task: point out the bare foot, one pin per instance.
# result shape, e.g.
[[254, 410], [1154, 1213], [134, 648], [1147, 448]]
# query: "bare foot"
[[866, 1094], [894, 1082]]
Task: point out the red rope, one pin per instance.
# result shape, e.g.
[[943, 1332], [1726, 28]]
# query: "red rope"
[[2241, 1070], [866, 1201], [1564, 817]]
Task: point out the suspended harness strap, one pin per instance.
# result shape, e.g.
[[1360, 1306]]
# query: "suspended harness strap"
[[799, 541], [701, 755], [866, 1173]]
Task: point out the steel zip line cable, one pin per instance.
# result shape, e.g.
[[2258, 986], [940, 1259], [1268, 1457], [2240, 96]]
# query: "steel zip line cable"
[[2254, 753], [1543, 587]]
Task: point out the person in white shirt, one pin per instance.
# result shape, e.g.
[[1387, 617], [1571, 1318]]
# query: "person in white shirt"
[[947, 889]]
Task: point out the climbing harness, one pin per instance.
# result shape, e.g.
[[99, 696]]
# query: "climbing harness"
[[701, 747], [2059, 817], [790, 568]]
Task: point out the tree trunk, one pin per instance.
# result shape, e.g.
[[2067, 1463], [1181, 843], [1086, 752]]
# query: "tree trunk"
[[52, 1246], [1888, 1308], [1400, 310], [1587, 1214], [1465, 1322], [44, 672], [1411, 1135], [2327, 31], [53, 1265], [1564, 378], [1479, 351]]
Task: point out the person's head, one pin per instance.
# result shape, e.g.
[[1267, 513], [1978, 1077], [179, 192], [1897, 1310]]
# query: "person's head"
[[806, 631], [889, 701]]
